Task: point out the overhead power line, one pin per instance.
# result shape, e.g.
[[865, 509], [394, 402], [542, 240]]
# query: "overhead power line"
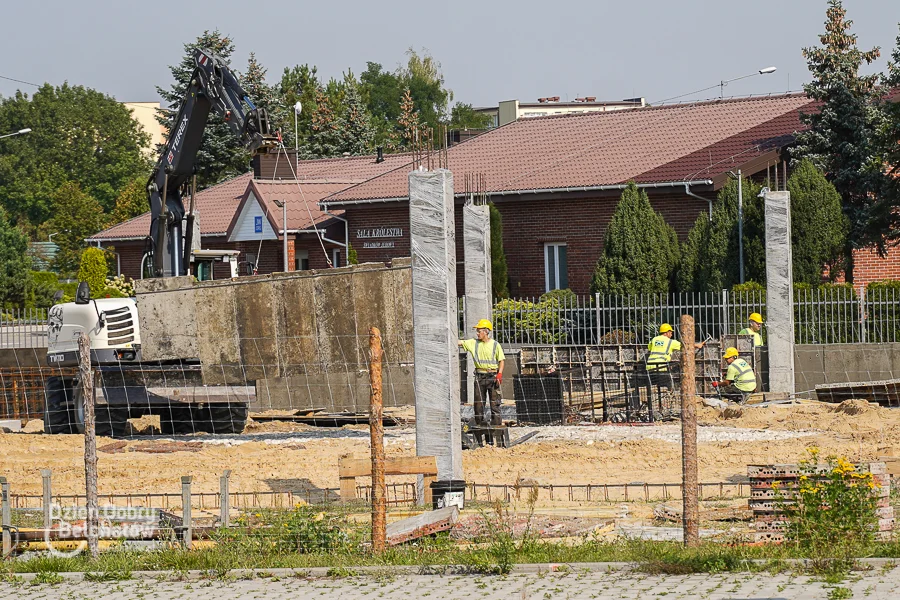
[[19, 81]]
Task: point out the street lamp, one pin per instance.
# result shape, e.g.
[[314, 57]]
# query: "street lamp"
[[297, 108], [725, 82], [283, 206], [740, 223], [19, 132]]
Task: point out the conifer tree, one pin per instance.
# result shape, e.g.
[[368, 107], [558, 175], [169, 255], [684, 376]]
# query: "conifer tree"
[[640, 251], [410, 130], [499, 270], [840, 137], [818, 227], [355, 124], [324, 138], [221, 155]]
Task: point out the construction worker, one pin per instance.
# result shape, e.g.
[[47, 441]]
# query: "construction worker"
[[740, 380], [661, 348], [489, 360], [755, 320]]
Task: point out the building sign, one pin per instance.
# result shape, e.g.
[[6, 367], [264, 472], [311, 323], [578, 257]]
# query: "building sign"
[[379, 232], [257, 224], [378, 244]]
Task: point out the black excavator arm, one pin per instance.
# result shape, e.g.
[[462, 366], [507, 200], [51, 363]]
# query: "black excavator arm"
[[212, 87]]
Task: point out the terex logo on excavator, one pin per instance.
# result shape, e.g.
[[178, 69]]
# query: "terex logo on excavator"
[[178, 135]]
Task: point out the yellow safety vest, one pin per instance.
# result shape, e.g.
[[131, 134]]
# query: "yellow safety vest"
[[487, 356], [741, 374], [661, 348], [757, 338]]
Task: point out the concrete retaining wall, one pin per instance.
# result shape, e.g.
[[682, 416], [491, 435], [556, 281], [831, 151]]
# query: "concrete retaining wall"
[[301, 338], [842, 363]]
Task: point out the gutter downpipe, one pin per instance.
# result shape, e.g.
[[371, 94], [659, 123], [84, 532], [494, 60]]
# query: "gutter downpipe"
[[687, 190], [346, 243]]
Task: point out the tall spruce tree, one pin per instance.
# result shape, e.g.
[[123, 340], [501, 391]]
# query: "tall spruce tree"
[[324, 139], [818, 226], [298, 83], [355, 124], [710, 255], [840, 137], [499, 270], [887, 140], [640, 251], [221, 155]]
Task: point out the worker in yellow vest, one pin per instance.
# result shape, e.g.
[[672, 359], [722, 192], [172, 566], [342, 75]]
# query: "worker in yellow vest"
[[661, 348], [755, 320], [489, 360], [740, 380]]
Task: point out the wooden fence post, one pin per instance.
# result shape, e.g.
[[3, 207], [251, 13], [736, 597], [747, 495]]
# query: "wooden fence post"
[[690, 506], [6, 518], [376, 427], [86, 377]]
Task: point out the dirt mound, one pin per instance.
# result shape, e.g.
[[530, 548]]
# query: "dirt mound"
[[856, 407]]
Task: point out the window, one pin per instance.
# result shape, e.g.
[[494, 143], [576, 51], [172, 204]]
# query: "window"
[[203, 270], [301, 262], [336, 257], [249, 263], [556, 266]]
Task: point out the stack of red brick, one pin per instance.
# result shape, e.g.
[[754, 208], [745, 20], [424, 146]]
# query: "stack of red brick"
[[767, 500]]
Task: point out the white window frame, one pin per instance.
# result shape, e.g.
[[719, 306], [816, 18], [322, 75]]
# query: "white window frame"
[[554, 285], [335, 257]]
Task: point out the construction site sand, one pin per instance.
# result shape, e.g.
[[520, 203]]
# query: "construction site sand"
[[286, 456]]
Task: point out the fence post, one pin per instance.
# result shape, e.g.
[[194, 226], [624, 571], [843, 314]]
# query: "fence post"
[[187, 534], [691, 511], [6, 519], [86, 376], [47, 495], [597, 317], [725, 326], [862, 315], [224, 498], [376, 428]]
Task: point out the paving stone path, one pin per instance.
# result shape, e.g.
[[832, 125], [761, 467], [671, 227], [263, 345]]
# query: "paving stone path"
[[875, 584]]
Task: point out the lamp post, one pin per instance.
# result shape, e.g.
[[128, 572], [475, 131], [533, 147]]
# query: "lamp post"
[[725, 82], [297, 108], [19, 132], [283, 206]]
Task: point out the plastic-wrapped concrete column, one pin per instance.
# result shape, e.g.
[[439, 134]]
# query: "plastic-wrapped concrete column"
[[779, 292], [435, 329], [477, 261]]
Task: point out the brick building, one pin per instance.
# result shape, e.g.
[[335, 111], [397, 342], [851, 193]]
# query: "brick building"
[[556, 180], [240, 214]]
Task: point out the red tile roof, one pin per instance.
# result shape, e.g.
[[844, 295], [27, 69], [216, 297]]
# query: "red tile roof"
[[354, 168], [216, 206], [302, 202], [668, 143]]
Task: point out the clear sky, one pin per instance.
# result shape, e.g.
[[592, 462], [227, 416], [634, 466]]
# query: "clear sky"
[[489, 51]]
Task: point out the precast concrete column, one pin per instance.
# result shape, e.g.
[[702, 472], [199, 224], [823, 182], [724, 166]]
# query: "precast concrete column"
[[435, 329], [477, 276], [779, 292]]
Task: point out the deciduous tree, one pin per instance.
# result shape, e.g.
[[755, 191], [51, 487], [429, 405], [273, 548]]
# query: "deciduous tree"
[[76, 217], [499, 269], [14, 263]]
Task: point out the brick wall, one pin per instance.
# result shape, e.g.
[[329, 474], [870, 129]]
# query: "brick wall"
[[528, 225], [869, 266]]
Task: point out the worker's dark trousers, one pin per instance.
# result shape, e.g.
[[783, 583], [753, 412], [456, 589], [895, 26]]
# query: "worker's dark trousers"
[[732, 394], [486, 385]]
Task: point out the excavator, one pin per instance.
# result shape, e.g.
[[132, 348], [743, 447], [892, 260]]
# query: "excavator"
[[125, 386]]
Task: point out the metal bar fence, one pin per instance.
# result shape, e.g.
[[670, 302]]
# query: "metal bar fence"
[[23, 328], [828, 315]]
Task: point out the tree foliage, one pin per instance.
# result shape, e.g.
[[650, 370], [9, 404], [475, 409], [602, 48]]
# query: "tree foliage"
[[76, 217], [710, 258], [840, 138], [93, 269], [131, 202], [354, 124], [324, 139], [78, 134], [220, 155], [463, 116], [640, 251], [818, 226], [887, 136], [14, 263], [298, 84], [499, 269]]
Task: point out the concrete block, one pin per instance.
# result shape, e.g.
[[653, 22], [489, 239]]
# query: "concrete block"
[[168, 319], [256, 328], [779, 292], [336, 330], [217, 335], [295, 324], [11, 424]]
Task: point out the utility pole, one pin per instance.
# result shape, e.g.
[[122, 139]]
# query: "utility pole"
[[740, 226]]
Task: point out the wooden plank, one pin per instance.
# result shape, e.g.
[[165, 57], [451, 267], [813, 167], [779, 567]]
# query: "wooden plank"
[[407, 465]]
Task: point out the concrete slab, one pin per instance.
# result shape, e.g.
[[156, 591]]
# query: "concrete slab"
[[217, 335], [11, 424], [779, 292], [256, 328], [168, 319]]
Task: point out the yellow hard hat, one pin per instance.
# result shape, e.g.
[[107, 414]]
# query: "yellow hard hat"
[[756, 317], [484, 324], [730, 352], [665, 328]]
